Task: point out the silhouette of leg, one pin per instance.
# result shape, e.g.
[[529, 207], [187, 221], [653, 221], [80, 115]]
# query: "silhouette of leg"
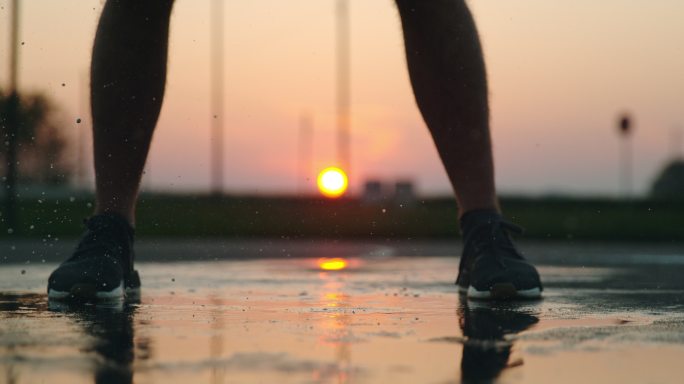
[[128, 76], [448, 75], [127, 81], [449, 80]]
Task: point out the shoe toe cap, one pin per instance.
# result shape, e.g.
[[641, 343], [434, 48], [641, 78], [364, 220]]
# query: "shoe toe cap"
[[520, 273], [98, 274]]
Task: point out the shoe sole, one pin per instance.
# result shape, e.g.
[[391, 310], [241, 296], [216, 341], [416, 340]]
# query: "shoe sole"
[[501, 291], [90, 292]]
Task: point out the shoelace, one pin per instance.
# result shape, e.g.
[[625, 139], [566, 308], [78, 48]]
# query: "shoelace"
[[98, 237], [496, 237]]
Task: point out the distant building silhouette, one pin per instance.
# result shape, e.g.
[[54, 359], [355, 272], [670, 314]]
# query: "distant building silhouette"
[[670, 183], [404, 193], [376, 192], [373, 192]]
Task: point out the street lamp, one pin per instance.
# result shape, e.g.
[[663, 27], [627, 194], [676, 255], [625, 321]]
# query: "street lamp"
[[12, 122], [625, 129], [217, 97]]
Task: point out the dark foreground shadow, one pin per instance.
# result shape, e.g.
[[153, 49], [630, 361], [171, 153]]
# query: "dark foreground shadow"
[[487, 348]]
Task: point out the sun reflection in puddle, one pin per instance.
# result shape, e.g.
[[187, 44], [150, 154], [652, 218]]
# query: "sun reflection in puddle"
[[332, 264], [337, 332]]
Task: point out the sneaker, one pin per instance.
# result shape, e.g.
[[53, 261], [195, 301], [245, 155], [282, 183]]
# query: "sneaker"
[[102, 265], [491, 267]]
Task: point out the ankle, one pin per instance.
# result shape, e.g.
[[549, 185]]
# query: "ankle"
[[473, 219], [125, 214]]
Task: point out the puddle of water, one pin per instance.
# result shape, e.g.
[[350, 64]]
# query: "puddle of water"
[[286, 321]]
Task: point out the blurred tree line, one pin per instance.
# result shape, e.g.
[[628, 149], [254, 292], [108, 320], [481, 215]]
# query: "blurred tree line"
[[41, 143]]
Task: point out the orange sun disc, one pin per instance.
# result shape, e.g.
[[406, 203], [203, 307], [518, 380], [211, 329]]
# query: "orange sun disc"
[[332, 182]]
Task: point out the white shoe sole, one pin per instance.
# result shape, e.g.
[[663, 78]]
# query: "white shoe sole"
[[501, 292], [89, 292]]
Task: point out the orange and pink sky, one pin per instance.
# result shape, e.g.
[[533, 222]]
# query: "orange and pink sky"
[[560, 72]]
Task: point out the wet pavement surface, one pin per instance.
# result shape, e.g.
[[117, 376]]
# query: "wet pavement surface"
[[263, 312]]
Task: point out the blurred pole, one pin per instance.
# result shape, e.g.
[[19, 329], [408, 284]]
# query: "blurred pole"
[[304, 172], [216, 341], [217, 97], [677, 147], [625, 128], [343, 86], [81, 130], [12, 122]]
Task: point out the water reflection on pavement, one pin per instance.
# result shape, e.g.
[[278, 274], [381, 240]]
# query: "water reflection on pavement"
[[111, 328], [377, 320], [487, 351]]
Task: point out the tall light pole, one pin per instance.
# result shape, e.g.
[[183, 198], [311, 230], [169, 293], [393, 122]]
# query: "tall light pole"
[[12, 122], [305, 152], [625, 130], [343, 85], [216, 97], [81, 131], [676, 142]]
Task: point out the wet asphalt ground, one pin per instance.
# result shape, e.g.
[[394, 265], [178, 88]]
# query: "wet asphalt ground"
[[264, 311]]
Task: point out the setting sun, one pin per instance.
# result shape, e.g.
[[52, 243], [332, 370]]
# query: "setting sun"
[[332, 182]]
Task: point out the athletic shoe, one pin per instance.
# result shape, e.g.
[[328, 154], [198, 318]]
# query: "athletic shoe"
[[491, 267], [101, 268]]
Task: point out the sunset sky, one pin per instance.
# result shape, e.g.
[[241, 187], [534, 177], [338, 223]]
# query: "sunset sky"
[[560, 73]]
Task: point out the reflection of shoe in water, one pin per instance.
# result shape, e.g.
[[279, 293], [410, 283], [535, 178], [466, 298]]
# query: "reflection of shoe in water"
[[491, 267], [102, 265], [486, 351], [110, 327]]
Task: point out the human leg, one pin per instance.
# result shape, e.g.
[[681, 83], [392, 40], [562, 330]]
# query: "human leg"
[[450, 84], [128, 76], [127, 87], [449, 80]]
